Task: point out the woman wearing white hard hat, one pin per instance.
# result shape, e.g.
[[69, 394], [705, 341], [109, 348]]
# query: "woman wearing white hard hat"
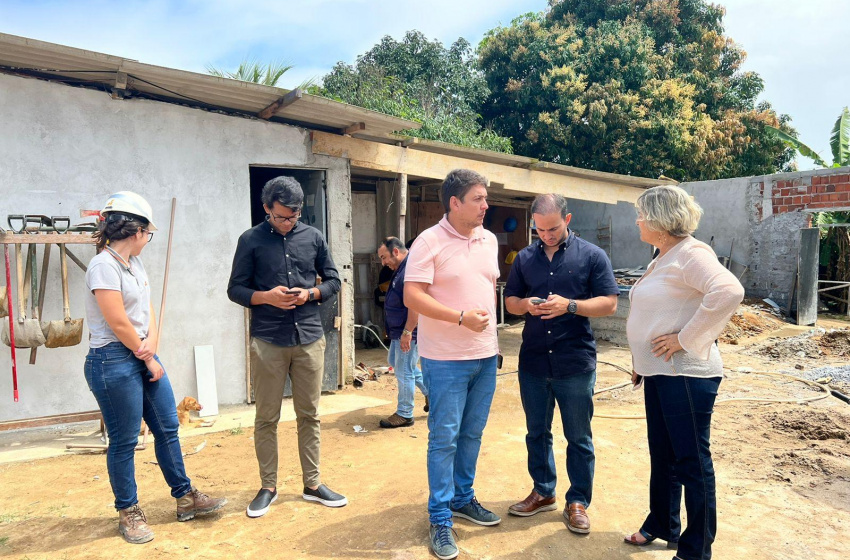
[[122, 370]]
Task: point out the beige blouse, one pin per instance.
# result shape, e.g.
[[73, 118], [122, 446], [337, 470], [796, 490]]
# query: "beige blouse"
[[685, 291]]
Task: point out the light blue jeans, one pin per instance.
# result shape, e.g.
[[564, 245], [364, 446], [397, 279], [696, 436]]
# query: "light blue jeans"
[[408, 374], [460, 393]]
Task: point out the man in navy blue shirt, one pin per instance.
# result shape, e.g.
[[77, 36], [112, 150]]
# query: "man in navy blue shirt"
[[400, 323], [557, 283]]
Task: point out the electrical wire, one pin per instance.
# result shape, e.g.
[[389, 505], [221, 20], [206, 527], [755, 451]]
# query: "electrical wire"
[[377, 336]]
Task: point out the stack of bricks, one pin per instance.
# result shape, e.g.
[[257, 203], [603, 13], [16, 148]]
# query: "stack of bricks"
[[818, 192]]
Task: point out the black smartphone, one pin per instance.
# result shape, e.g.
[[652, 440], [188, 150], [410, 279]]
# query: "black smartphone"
[[499, 361], [292, 292]]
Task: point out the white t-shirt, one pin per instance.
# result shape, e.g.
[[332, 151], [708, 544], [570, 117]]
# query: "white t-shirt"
[[106, 273]]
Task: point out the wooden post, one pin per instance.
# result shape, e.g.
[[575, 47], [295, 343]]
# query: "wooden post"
[[249, 387], [402, 205]]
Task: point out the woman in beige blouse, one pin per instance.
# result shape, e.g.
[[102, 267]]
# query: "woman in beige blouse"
[[678, 309]]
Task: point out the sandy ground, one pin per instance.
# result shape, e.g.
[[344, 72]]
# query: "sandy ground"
[[783, 477]]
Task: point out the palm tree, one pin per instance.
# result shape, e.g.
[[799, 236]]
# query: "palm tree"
[[251, 70], [839, 141]]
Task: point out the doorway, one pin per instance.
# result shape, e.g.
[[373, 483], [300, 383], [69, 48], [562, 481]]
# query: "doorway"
[[314, 213]]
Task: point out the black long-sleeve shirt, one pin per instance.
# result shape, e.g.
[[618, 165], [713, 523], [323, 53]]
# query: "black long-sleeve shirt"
[[266, 259]]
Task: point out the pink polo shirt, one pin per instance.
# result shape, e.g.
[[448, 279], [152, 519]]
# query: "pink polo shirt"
[[462, 273]]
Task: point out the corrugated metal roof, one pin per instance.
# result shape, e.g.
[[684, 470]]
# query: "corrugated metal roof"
[[77, 65]]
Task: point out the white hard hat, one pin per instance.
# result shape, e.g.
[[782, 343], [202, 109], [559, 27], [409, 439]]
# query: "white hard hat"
[[130, 203]]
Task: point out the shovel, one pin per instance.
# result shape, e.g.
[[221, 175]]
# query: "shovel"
[[70, 331], [11, 324], [28, 331]]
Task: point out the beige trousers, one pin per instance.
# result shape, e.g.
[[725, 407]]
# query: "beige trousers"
[[305, 366]]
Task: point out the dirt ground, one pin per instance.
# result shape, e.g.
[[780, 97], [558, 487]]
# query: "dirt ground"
[[783, 482]]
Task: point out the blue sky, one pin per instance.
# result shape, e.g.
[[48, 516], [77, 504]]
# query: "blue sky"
[[797, 46]]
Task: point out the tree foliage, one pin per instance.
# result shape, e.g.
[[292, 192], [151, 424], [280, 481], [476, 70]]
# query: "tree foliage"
[[250, 70], [422, 81], [644, 87]]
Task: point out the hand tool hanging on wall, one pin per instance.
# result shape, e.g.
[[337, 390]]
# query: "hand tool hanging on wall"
[[45, 264], [11, 325], [68, 332], [28, 333]]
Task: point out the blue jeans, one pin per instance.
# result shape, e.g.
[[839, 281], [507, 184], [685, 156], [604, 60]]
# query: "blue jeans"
[[460, 393], [408, 374], [678, 423], [574, 395], [119, 382]]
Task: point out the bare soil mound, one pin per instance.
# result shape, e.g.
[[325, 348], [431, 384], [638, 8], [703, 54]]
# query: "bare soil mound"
[[749, 321]]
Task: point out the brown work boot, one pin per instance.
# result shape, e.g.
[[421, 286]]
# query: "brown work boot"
[[396, 421], [133, 525], [197, 503], [577, 519], [534, 503]]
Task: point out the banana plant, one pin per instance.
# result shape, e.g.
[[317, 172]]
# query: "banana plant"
[[839, 141]]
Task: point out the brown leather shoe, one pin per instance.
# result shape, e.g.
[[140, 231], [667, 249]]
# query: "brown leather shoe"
[[534, 503], [197, 503], [133, 525], [396, 421], [577, 519]]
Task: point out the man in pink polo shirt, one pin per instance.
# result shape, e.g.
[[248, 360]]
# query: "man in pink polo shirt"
[[451, 282]]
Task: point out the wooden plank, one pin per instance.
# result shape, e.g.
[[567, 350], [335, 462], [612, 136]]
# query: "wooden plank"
[[517, 181], [354, 128], [55, 238], [249, 386], [205, 376], [50, 420], [284, 101]]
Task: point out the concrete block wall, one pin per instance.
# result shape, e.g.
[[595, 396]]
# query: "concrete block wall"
[[66, 148]]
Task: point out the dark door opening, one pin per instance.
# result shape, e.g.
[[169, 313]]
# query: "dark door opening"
[[314, 213]]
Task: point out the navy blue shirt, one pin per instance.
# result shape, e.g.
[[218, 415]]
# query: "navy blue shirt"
[[580, 270], [395, 313], [266, 259]]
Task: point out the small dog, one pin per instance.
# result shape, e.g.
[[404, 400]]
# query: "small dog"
[[186, 405]]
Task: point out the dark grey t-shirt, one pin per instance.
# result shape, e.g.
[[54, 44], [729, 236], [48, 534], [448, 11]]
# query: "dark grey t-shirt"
[[106, 273]]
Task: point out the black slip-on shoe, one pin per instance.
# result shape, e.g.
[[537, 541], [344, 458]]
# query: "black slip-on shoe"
[[324, 496], [260, 505]]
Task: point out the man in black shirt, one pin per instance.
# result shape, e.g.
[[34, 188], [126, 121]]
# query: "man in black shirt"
[[274, 274], [557, 283]]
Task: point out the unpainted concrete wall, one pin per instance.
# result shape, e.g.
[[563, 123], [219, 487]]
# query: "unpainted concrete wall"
[[66, 149]]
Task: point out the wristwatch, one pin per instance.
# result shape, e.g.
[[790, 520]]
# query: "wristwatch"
[[407, 332], [572, 307], [310, 296]]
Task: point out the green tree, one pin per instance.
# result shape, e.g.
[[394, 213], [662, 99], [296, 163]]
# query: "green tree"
[[839, 142], [645, 87], [250, 70], [423, 81]]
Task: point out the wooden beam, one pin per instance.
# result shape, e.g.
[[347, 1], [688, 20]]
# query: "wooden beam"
[[119, 88], [50, 420], [517, 181], [54, 238], [284, 101], [402, 205], [354, 128]]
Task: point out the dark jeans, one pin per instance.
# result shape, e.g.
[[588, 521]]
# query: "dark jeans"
[[574, 395], [119, 382], [678, 422]]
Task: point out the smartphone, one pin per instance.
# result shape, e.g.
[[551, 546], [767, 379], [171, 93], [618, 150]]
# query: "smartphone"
[[292, 292], [499, 360], [537, 301]]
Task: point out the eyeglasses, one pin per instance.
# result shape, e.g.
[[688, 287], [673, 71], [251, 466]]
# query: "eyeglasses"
[[150, 234], [282, 219]]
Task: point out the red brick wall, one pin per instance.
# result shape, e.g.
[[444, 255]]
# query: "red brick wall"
[[814, 193]]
